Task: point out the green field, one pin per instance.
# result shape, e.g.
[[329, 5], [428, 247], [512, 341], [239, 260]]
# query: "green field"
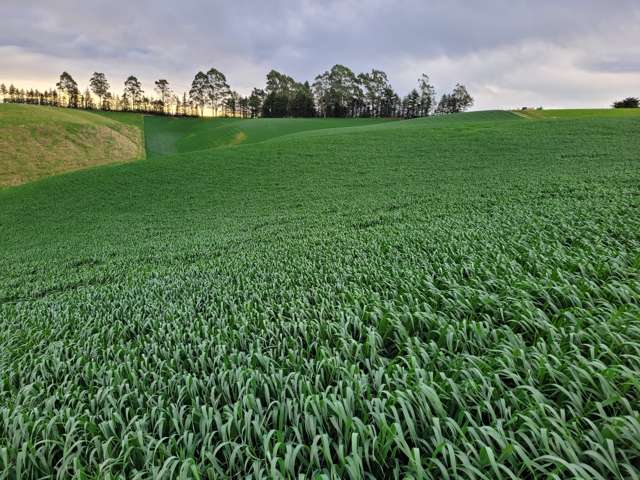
[[166, 136], [450, 297]]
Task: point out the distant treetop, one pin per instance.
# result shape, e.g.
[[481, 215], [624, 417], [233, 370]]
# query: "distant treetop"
[[629, 102]]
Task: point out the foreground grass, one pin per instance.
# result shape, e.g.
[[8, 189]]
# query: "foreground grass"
[[37, 142], [442, 298]]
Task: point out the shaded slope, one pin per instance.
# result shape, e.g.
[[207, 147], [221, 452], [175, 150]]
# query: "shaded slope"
[[36, 142]]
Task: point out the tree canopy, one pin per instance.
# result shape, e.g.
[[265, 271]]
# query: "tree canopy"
[[629, 102], [337, 92]]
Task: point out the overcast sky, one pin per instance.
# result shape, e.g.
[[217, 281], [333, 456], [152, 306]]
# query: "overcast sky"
[[509, 53]]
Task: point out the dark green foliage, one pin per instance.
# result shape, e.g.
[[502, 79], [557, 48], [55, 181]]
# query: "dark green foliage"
[[198, 92], [630, 102], [457, 101], [453, 297], [255, 102], [280, 91], [302, 102]]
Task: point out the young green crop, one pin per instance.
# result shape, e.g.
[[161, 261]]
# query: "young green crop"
[[453, 297]]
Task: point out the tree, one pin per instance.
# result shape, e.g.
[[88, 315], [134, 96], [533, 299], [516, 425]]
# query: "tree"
[[217, 89], [133, 92], [336, 92], [232, 103], [107, 101], [445, 105], [243, 104], [68, 86], [462, 100], [99, 86], [427, 96], [279, 92], [375, 84], [163, 89], [255, 102], [302, 102], [457, 101], [390, 103], [198, 92], [157, 106], [411, 105], [3, 91], [321, 92], [87, 101], [629, 102]]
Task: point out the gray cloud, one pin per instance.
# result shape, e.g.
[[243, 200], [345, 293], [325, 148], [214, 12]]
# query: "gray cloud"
[[614, 65], [509, 52]]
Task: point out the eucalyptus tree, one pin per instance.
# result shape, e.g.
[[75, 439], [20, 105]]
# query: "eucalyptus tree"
[[99, 86], [336, 91], [107, 102], [321, 89], [427, 96], [279, 92], [255, 102], [411, 105], [390, 103], [375, 84], [461, 98], [133, 92], [87, 101], [457, 101], [185, 104], [302, 104], [69, 88], [217, 89], [198, 92], [164, 90], [232, 103], [243, 105]]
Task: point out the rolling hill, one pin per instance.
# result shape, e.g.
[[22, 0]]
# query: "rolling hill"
[[445, 297], [166, 136], [38, 142]]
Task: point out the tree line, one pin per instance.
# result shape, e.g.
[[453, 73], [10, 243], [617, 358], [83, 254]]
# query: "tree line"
[[629, 102], [338, 92]]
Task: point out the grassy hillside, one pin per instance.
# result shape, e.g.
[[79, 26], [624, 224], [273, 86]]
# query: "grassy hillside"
[[451, 297], [166, 136], [581, 114], [37, 142]]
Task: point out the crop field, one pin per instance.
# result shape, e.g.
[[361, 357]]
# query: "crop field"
[[441, 298], [166, 136]]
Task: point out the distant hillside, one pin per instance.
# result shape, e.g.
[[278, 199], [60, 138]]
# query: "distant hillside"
[[36, 142], [167, 136]]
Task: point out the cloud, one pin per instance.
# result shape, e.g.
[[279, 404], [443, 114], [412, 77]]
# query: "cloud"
[[509, 52], [614, 65]]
